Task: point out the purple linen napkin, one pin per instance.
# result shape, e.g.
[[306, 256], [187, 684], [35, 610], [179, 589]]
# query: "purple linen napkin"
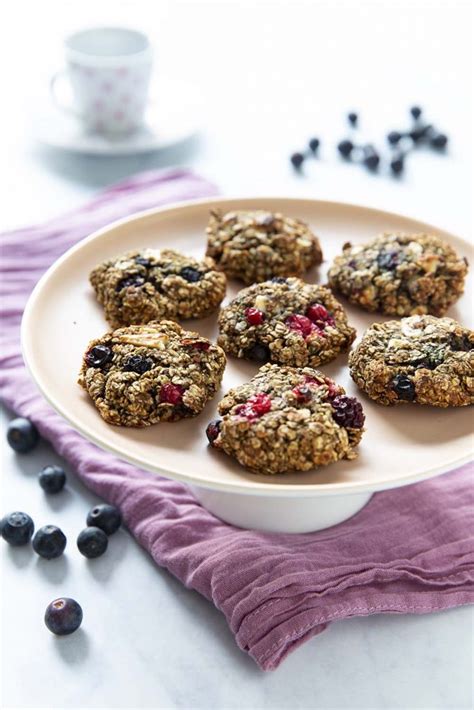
[[411, 550]]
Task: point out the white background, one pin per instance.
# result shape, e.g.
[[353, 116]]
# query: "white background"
[[270, 75]]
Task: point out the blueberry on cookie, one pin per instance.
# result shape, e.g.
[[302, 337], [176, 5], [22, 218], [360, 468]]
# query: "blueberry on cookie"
[[286, 321], [145, 285], [255, 245], [419, 359], [287, 419], [144, 374], [400, 274]]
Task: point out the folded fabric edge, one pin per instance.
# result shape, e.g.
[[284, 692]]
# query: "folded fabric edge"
[[269, 658]]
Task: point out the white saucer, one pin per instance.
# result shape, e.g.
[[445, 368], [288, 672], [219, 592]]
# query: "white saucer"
[[173, 118]]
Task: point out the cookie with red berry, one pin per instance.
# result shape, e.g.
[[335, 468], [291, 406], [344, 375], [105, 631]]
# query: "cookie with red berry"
[[144, 374], [287, 419], [286, 321]]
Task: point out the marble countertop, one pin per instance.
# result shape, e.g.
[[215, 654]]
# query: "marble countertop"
[[270, 75]]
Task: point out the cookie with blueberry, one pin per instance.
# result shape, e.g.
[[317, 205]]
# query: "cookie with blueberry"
[[286, 321], [146, 285], [400, 274], [287, 419], [144, 374], [419, 359], [255, 245]]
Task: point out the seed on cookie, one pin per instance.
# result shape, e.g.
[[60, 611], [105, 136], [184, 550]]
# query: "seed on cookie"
[[286, 321], [144, 374], [255, 245], [287, 419], [400, 274], [145, 285], [417, 359]]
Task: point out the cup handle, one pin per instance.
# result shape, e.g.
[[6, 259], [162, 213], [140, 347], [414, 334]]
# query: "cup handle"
[[58, 76]]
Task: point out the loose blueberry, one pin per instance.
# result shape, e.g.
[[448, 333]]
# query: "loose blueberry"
[[371, 158], [63, 616], [348, 412], [190, 274], [297, 160], [345, 148], [394, 137], [136, 280], [49, 542], [415, 112], [213, 430], [171, 394], [17, 528], [404, 388], [388, 260], [352, 118], [92, 542], [99, 355], [439, 140], [106, 517], [254, 316], [142, 261], [314, 145], [397, 163], [138, 364], [22, 435], [258, 352], [52, 479]]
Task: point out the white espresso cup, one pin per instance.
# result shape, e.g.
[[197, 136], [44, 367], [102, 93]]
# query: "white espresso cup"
[[108, 69]]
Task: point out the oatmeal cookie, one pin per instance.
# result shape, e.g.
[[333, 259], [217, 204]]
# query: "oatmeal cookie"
[[418, 359], [286, 321], [146, 285], [256, 245], [287, 419], [400, 274], [145, 374]]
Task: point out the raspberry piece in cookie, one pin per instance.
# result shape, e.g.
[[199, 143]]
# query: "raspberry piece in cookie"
[[254, 246], [419, 359], [286, 321], [145, 374], [145, 285], [287, 419], [400, 274]]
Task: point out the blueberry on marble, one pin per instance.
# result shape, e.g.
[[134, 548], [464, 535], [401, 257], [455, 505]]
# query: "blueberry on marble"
[[49, 542], [52, 479], [17, 528], [63, 616], [22, 435], [92, 542], [297, 160], [106, 517]]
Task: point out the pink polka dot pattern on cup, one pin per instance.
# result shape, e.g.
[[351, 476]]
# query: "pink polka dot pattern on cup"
[[111, 99]]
